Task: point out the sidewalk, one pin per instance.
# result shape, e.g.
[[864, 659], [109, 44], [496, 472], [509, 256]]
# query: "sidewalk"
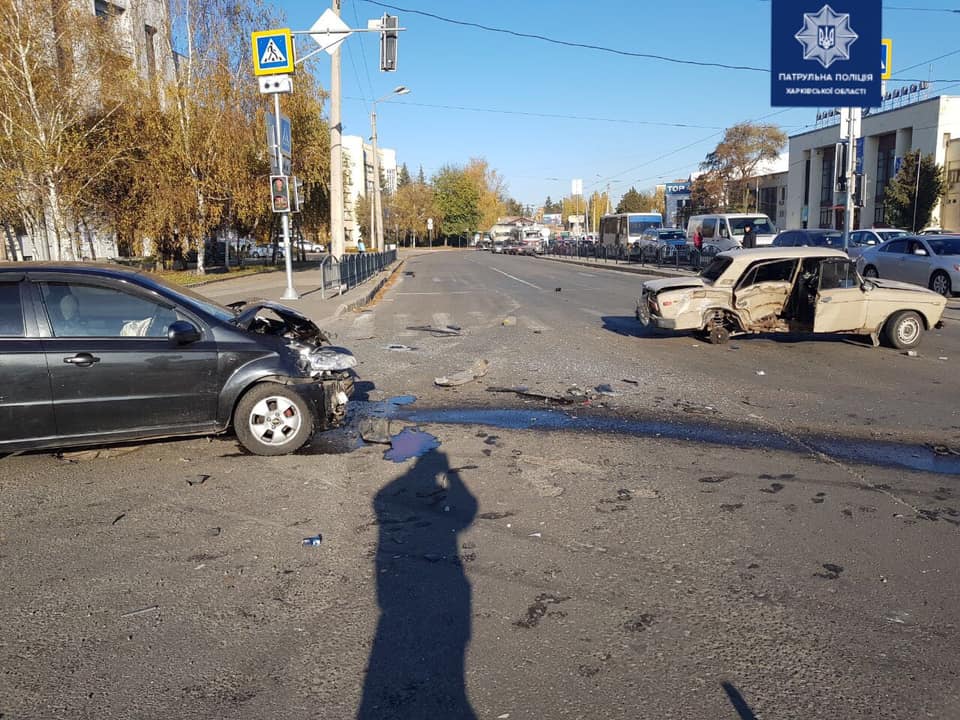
[[271, 286]]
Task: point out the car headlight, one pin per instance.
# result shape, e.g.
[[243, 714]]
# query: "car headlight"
[[331, 359]]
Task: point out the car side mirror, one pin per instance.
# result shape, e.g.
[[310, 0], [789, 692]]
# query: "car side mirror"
[[920, 251], [182, 332], [867, 286]]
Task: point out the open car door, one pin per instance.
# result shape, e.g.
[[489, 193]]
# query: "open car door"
[[763, 290], [841, 303]]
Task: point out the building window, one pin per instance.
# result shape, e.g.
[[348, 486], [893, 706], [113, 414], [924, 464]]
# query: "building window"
[[826, 178], [149, 36], [104, 9], [768, 201], [886, 147], [953, 176]]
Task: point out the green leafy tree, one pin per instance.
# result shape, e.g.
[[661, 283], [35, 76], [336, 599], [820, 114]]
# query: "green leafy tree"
[[636, 201], [421, 178], [909, 200], [458, 201]]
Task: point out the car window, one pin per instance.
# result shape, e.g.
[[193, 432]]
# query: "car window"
[[81, 310], [779, 271], [716, 268], [914, 245], [709, 228], [895, 246], [826, 239], [836, 274], [11, 310], [945, 245], [858, 238]]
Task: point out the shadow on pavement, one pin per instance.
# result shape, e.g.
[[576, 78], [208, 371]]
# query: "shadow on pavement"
[[416, 666], [629, 326], [739, 704]]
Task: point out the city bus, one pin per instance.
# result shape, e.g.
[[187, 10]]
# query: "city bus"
[[620, 234]]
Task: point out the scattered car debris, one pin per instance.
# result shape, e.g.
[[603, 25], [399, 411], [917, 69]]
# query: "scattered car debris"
[[760, 372], [605, 389], [566, 398], [375, 430], [632, 382], [910, 353], [199, 480], [477, 370], [118, 518], [397, 347], [943, 357], [944, 450], [558, 289], [312, 541], [141, 611], [509, 321], [447, 331]]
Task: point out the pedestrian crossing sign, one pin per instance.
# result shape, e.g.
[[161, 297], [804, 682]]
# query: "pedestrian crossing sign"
[[272, 52]]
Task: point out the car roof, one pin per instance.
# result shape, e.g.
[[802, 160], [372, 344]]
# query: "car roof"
[[82, 268], [775, 253]]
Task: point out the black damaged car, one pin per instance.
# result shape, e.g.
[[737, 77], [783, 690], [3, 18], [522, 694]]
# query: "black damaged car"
[[94, 354]]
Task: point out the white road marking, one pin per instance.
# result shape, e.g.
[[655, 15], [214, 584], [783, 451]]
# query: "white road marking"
[[587, 274], [452, 292], [512, 277]]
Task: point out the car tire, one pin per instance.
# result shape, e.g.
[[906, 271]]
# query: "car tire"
[[870, 272], [903, 330], [940, 284], [271, 419]]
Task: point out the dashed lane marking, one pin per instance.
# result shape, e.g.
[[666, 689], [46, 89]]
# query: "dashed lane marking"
[[513, 277]]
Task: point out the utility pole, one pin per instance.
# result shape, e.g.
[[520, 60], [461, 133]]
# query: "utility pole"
[[376, 227], [336, 153], [853, 127]]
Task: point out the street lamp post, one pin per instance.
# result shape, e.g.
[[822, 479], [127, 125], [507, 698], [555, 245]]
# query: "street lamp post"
[[376, 207]]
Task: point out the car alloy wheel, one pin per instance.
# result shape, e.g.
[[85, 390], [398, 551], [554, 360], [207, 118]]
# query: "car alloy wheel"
[[272, 420], [940, 284]]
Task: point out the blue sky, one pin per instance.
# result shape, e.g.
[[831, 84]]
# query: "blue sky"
[[508, 83]]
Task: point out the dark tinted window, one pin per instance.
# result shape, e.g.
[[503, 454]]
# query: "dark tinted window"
[[896, 246], [827, 239], [945, 246], [784, 240], [11, 310]]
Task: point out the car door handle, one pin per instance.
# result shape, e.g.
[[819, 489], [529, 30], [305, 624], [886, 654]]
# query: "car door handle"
[[82, 359]]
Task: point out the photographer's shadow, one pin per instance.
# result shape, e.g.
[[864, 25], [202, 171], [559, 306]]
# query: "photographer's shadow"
[[416, 667]]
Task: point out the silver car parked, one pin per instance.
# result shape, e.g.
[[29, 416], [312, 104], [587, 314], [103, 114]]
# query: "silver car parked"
[[932, 261]]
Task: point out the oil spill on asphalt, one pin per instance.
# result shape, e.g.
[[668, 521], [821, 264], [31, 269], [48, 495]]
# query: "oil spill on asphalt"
[[869, 452], [410, 443]]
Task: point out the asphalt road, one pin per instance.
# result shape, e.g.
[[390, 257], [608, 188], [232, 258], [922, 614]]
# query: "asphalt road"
[[702, 542]]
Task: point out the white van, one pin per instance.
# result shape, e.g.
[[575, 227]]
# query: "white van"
[[724, 231]]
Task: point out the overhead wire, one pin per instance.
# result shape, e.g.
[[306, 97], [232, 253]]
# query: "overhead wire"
[[566, 43]]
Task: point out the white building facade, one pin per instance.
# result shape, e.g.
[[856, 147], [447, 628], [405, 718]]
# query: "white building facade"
[[813, 199], [358, 166]]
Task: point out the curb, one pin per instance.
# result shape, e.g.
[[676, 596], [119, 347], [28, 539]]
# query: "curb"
[[634, 269], [368, 296]]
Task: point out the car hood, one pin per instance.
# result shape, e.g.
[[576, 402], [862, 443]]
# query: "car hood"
[[673, 284], [292, 324], [897, 285]]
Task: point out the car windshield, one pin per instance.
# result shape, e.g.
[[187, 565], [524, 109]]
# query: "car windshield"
[[672, 235], [890, 234], [829, 239], [945, 245], [207, 305], [761, 225], [716, 268]]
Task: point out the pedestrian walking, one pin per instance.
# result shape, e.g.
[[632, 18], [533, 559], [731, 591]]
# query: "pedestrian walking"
[[361, 248], [698, 240], [749, 237]]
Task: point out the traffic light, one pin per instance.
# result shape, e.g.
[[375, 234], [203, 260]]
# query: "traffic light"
[[280, 193], [388, 42]]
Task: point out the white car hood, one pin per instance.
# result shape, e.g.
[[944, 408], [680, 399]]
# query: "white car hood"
[[897, 285]]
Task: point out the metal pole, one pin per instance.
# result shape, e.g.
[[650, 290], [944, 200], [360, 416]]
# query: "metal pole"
[[290, 292], [336, 153], [916, 194], [377, 218], [850, 170]]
